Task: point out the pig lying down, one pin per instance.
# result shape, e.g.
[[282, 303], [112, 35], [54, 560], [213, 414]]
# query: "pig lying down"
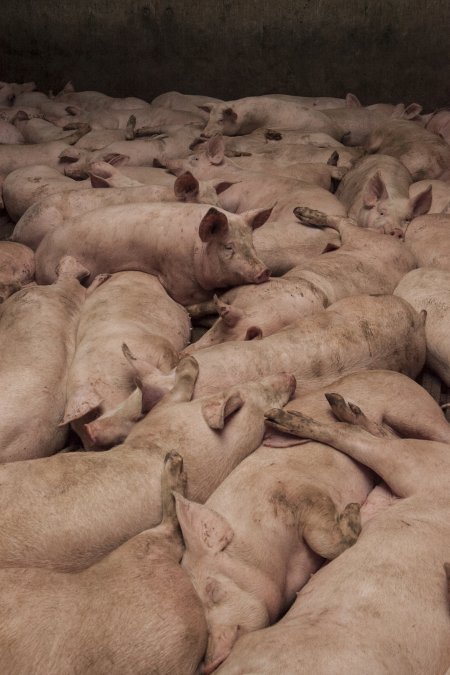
[[122, 595], [115, 494], [214, 248], [375, 591]]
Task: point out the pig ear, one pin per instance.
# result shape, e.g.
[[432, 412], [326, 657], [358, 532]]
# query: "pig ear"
[[151, 381], [352, 101], [215, 150], [221, 187], [398, 111], [205, 108], [116, 158], [412, 111], [256, 217], [216, 409], [375, 191], [186, 187], [229, 114], [230, 315], [85, 400], [253, 333], [70, 155], [203, 529], [422, 203], [99, 181], [213, 224], [74, 110], [68, 88], [20, 116]]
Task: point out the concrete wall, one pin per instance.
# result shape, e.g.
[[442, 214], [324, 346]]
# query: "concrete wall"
[[392, 50]]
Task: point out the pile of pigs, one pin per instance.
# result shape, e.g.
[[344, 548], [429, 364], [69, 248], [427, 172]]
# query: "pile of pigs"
[[215, 454]]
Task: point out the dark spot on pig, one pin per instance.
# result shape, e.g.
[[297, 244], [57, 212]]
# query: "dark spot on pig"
[[271, 135], [405, 523], [316, 368], [282, 507]]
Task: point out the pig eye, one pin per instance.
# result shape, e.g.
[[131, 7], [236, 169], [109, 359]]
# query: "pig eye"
[[228, 247]]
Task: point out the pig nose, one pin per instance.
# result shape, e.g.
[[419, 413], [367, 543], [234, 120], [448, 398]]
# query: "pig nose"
[[397, 232], [262, 276]]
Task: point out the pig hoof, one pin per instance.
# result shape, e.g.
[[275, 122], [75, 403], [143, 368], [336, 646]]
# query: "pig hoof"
[[310, 217], [350, 523], [174, 476], [343, 411], [272, 135]]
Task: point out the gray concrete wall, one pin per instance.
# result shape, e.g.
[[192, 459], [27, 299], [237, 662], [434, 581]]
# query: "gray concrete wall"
[[392, 50]]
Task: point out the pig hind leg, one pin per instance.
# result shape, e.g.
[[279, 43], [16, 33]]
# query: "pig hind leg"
[[326, 531], [349, 412]]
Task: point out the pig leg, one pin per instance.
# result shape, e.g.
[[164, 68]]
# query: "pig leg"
[[351, 413], [327, 532], [313, 218], [165, 537], [202, 309], [396, 461], [186, 374]]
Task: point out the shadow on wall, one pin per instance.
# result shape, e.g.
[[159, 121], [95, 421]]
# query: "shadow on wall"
[[390, 50]]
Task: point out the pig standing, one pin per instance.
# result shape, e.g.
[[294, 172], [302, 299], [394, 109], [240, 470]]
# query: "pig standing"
[[192, 248], [429, 289], [106, 619], [37, 333], [115, 494]]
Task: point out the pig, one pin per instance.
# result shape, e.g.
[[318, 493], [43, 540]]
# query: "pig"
[[428, 237], [439, 123], [282, 479], [344, 597], [282, 246], [37, 130], [192, 248], [211, 161], [37, 333], [424, 154], [52, 211], [139, 152], [16, 268], [360, 331], [9, 91], [9, 134], [236, 118], [365, 263], [28, 185], [428, 288], [268, 141], [358, 123], [376, 194], [440, 191], [121, 594], [92, 100], [115, 493], [187, 102], [131, 307], [17, 156]]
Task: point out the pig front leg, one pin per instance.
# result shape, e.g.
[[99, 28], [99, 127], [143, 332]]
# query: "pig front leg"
[[327, 532]]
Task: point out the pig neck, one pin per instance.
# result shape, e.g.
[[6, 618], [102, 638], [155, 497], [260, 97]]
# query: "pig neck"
[[200, 270]]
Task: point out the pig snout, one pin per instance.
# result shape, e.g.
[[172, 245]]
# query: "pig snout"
[[262, 276], [396, 232]]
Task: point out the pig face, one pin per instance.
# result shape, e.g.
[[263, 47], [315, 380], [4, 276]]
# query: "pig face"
[[206, 164], [230, 590], [223, 119], [232, 324], [225, 255], [388, 214]]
